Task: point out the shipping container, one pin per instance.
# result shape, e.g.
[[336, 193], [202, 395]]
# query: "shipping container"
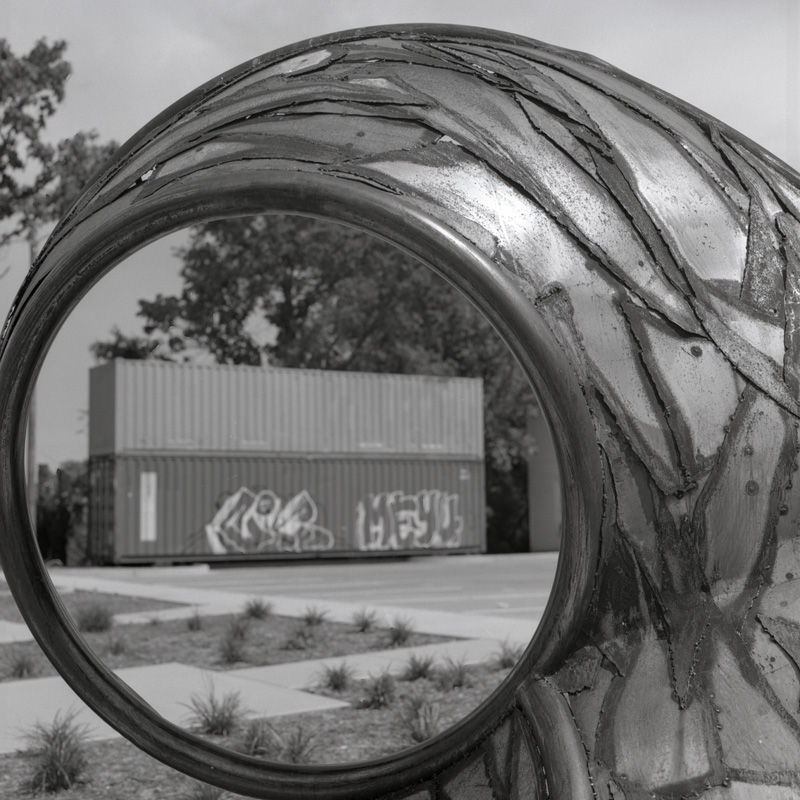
[[192, 462], [544, 486], [179, 507], [152, 406]]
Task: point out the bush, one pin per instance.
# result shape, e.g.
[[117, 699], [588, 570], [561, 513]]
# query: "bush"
[[417, 668], [379, 691], [195, 622], [509, 654], [94, 618], [336, 677], [400, 632], [257, 608], [216, 716], [453, 675], [420, 718], [21, 663], [58, 754], [313, 616], [363, 620]]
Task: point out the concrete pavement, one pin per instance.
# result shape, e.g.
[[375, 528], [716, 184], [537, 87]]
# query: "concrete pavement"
[[272, 690]]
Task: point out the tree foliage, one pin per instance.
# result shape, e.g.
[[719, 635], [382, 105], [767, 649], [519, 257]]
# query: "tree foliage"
[[38, 180], [299, 292]]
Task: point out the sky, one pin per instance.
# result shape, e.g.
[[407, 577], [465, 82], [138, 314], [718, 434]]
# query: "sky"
[[738, 60]]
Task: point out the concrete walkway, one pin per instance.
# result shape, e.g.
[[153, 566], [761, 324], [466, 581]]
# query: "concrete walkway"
[[268, 691]]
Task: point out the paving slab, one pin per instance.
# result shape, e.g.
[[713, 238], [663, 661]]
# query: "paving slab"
[[168, 688], [12, 632]]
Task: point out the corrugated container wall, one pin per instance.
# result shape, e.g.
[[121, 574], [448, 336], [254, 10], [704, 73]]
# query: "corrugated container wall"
[[159, 406], [195, 462]]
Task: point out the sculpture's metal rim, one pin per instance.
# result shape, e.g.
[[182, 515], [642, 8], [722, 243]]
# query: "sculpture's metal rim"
[[37, 321]]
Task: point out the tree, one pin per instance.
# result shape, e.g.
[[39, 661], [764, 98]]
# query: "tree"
[[298, 292]]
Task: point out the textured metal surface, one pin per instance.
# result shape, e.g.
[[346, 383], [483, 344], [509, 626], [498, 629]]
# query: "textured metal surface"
[[642, 261], [158, 406], [220, 507]]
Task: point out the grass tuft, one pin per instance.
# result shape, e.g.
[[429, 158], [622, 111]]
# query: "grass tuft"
[[233, 642], [452, 675], [379, 691], [218, 716], [417, 668], [364, 621], [336, 677], [314, 616], [419, 717], [262, 740], [257, 608], [195, 622], [20, 663], [508, 655], [400, 632], [94, 618], [58, 754], [116, 644]]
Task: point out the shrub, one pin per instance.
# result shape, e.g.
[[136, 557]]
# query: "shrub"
[[233, 641], [336, 677], [363, 620], [58, 754], [452, 675], [417, 667], [509, 654], [379, 691], [21, 663], [116, 645], [400, 632], [257, 608], [154, 621], [94, 618], [419, 717], [314, 616], [195, 622], [216, 716]]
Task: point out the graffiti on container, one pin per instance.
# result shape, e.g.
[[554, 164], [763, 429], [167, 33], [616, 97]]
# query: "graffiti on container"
[[250, 522], [399, 521]]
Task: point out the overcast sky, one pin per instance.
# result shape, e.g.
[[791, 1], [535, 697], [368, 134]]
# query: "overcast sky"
[[735, 59]]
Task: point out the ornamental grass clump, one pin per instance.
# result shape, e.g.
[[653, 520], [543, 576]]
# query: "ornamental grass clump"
[[508, 655], [232, 645], [336, 677], [379, 691], [94, 618], [217, 716], [453, 674], [419, 717], [364, 621], [58, 754], [314, 616], [257, 608], [400, 632], [20, 663], [417, 668]]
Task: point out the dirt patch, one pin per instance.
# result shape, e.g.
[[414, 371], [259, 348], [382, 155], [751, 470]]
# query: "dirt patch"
[[119, 771]]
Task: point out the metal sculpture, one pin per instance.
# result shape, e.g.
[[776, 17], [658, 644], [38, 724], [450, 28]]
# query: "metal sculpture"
[[643, 262]]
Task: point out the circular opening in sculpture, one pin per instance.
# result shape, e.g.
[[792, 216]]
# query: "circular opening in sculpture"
[[342, 548], [44, 309]]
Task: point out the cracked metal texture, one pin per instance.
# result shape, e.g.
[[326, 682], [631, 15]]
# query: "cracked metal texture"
[[656, 254]]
